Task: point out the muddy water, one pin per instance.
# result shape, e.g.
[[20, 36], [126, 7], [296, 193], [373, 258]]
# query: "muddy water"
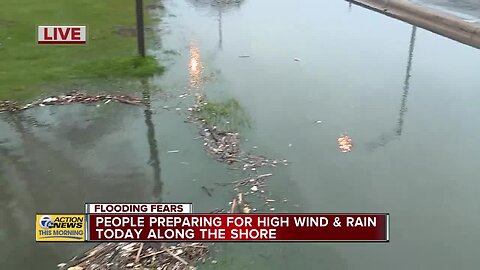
[[408, 98]]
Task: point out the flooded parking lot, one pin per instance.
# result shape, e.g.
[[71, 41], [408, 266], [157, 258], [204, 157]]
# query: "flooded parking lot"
[[303, 74]]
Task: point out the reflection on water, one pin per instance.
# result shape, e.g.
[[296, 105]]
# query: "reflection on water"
[[355, 73], [223, 5], [45, 168], [406, 85], [388, 137], [154, 160], [220, 6], [220, 36], [195, 67]]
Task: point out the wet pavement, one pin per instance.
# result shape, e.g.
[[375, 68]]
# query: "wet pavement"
[[407, 98]]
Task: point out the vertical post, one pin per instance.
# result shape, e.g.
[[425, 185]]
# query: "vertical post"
[[140, 28], [220, 28]]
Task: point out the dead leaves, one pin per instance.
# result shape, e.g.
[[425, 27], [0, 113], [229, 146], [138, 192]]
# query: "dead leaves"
[[74, 97]]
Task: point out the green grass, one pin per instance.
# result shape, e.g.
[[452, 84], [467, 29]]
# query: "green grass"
[[226, 114], [28, 69], [120, 67]]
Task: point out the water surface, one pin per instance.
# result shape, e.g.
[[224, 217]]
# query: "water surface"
[[407, 97]]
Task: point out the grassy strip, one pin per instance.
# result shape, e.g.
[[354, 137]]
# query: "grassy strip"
[[27, 68], [226, 114], [120, 67]]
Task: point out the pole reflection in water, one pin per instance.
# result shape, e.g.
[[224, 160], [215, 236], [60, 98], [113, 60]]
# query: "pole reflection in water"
[[220, 38], [385, 138], [219, 8], [154, 160], [406, 86]]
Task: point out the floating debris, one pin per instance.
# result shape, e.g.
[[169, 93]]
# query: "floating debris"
[[244, 56], [318, 122], [140, 256], [238, 205], [216, 210], [224, 145], [72, 98], [252, 161], [221, 144], [208, 191], [256, 181], [173, 151], [345, 143], [50, 99]]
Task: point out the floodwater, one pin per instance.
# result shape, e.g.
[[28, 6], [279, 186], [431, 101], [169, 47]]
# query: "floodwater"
[[408, 98]]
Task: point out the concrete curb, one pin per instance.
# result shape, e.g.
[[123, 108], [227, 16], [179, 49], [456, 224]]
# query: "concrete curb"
[[430, 19]]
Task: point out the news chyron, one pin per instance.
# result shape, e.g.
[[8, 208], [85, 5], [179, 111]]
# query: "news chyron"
[[176, 222], [62, 34]]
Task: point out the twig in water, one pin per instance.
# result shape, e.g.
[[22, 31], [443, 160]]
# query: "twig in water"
[[137, 258], [207, 191], [177, 257]]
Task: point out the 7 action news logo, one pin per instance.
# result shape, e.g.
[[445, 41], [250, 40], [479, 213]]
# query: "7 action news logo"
[[60, 228], [46, 222]]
